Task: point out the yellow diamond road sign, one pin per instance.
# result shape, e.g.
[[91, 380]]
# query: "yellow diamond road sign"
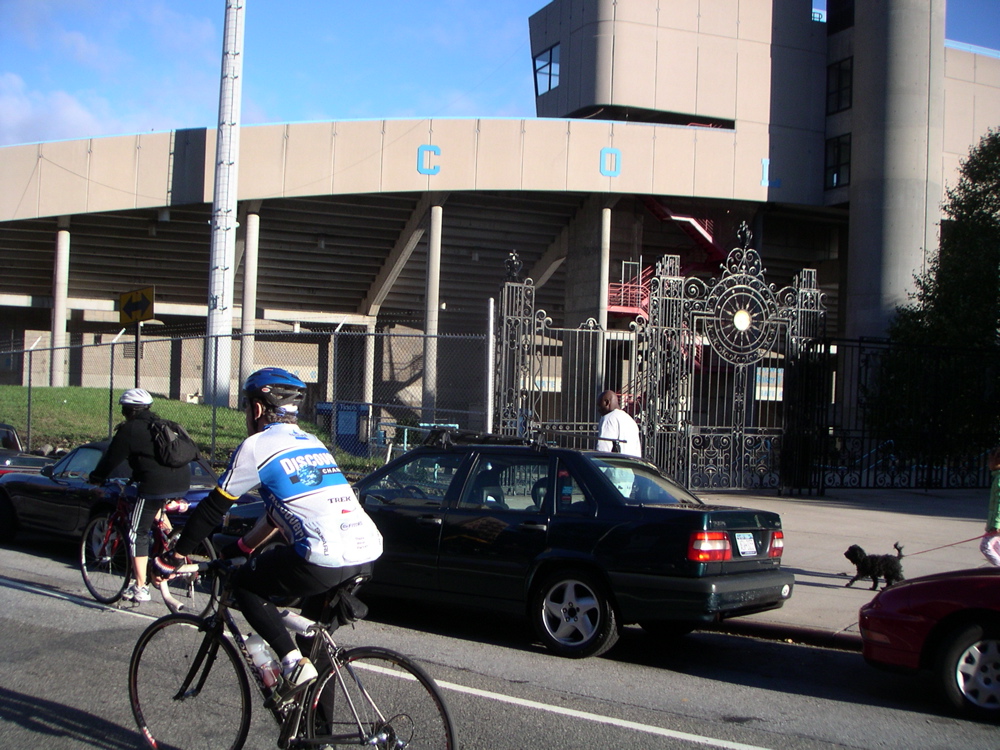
[[136, 306]]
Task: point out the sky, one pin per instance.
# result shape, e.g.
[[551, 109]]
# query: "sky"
[[86, 68]]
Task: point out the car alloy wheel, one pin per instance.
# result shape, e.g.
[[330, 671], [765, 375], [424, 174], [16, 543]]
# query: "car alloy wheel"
[[969, 670], [573, 615]]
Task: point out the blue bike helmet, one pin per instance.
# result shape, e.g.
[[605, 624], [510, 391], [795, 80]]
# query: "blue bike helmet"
[[277, 388]]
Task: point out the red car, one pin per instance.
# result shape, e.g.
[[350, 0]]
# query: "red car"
[[947, 623]]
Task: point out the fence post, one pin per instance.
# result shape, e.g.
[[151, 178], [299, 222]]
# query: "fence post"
[[31, 353]]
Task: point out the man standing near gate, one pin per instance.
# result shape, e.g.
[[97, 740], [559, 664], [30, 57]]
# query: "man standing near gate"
[[617, 432]]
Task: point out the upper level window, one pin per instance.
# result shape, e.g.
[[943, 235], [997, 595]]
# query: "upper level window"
[[547, 70], [839, 85], [838, 162], [839, 15]]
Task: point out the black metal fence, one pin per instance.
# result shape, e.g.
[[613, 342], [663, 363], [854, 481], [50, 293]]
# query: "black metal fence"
[[870, 414], [860, 414]]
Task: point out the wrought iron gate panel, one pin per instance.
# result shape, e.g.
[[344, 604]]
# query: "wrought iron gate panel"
[[704, 375]]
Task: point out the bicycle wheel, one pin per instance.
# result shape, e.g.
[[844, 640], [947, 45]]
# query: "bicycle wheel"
[[188, 687], [105, 559], [381, 699], [195, 593]]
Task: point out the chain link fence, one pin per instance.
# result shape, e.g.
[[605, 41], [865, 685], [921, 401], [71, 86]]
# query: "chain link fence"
[[368, 394]]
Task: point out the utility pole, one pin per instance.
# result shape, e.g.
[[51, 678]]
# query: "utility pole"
[[222, 257]]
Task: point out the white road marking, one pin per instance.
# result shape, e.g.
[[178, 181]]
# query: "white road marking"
[[647, 728]]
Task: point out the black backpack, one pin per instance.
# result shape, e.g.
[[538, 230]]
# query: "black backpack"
[[172, 446]]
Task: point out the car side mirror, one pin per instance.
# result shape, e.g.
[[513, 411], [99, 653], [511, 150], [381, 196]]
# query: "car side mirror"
[[47, 471]]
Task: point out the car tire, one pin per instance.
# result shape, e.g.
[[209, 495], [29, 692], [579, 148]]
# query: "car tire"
[[573, 615], [968, 670], [666, 629], [8, 519]]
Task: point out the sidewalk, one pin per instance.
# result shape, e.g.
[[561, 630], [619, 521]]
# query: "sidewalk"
[[818, 529]]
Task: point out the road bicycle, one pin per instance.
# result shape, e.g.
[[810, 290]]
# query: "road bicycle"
[[189, 688], [106, 560]]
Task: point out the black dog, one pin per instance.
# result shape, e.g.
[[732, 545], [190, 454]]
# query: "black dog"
[[876, 566]]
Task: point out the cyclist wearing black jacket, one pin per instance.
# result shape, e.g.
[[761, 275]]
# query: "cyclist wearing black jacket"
[[133, 441]]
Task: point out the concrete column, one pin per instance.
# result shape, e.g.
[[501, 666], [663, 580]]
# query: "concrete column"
[[60, 296], [602, 298], [248, 324], [432, 304], [896, 140]]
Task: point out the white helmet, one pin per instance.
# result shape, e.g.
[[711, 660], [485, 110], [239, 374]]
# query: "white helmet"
[[135, 397]]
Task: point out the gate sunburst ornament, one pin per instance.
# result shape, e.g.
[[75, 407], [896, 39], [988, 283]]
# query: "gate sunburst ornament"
[[741, 308]]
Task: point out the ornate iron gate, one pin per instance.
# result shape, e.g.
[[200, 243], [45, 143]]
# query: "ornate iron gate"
[[706, 374]]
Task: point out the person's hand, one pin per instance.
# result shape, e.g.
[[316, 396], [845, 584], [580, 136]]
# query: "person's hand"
[[235, 549], [165, 566]]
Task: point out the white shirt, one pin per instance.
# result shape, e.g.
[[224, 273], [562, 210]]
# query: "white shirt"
[[618, 425]]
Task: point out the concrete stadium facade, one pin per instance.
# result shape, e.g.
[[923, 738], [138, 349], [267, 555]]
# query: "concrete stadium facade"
[[662, 127]]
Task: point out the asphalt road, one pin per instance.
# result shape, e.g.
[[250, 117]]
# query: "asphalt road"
[[63, 683]]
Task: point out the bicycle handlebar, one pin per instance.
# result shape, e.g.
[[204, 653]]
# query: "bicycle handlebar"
[[201, 567], [188, 569]]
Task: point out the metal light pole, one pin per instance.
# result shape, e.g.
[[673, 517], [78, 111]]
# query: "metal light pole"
[[219, 323]]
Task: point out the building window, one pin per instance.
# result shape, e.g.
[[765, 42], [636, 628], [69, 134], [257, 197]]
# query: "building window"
[[839, 15], [838, 162], [547, 70], [839, 85]]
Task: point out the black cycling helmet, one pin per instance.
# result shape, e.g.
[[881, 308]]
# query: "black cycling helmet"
[[275, 387]]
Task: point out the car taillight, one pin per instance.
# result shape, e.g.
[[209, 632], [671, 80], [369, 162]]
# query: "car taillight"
[[709, 546], [777, 544]]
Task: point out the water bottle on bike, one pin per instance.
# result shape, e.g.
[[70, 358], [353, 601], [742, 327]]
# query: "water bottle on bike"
[[263, 659]]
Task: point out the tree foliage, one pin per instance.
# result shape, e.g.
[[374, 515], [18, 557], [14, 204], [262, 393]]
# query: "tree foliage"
[[957, 299], [936, 395]]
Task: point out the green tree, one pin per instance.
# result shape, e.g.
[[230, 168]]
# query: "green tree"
[[957, 299], [935, 394]]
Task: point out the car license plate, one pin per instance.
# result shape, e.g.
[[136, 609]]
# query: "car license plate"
[[745, 544]]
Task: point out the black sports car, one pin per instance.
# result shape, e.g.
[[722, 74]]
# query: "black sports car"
[[60, 500]]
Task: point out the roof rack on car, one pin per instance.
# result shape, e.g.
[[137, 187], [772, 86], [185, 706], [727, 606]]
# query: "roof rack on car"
[[445, 437]]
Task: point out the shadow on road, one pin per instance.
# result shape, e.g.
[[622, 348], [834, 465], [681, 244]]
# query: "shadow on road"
[[56, 721]]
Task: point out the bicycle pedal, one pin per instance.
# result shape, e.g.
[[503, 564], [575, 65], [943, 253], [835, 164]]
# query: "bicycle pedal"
[[282, 700]]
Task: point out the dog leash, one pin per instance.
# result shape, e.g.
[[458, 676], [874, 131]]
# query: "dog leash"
[[953, 544]]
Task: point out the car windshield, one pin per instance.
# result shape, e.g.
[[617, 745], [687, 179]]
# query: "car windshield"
[[640, 484], [82, 461], [202, 476]]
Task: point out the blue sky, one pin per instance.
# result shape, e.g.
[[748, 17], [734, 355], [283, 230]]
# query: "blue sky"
[[81, 68]]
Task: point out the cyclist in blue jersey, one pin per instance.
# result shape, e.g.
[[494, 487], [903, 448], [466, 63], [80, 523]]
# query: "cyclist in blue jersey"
[[307, 500]]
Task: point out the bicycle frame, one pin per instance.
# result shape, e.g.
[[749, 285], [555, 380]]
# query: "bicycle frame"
[[287, 715], [120, 517], [366, 695]]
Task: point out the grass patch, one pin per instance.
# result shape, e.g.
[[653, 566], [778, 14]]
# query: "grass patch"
[[66, 417]]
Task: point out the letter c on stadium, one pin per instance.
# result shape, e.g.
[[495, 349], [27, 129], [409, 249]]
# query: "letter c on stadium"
[[423, 159]]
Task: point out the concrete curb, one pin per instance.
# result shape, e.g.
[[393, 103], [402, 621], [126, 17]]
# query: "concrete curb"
[[840, 640]]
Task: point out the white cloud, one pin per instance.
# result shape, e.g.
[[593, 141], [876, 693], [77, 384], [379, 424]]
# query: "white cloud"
[[27, 116]]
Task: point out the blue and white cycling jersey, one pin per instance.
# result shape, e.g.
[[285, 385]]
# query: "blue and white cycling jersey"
[[306, 496]]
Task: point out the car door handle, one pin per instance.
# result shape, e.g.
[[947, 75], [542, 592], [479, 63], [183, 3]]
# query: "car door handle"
[[429, 520], [534, 526]]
